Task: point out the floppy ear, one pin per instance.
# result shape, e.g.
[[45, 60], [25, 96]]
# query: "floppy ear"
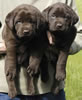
[[46, 13], [10, 20], [74, 16]]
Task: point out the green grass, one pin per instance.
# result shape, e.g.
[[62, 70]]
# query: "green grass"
[[74, 77], [73, 86]]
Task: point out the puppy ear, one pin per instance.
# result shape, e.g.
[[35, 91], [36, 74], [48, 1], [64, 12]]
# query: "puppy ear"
[[46, 13], [74, 16], [10, 20]]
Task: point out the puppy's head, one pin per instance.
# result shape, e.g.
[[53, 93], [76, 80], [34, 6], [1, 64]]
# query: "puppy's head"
[[25, 21], [60, 17]]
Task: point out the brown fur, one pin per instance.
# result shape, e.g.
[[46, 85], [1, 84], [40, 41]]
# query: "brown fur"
[[61, 19], [25, 37]]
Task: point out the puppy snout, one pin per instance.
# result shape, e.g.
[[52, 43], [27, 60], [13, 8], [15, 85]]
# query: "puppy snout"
[[59, 25]]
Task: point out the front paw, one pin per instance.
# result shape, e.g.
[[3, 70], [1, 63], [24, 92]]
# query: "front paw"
[[60, 76], [10, 73], [31, 90], [32, 70], [12, 93]]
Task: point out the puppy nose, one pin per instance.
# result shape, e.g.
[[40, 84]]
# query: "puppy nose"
[[59, 25], [25, 31]]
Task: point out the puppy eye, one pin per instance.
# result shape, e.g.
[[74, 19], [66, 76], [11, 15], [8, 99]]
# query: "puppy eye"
[[18, 22], [53, 16]]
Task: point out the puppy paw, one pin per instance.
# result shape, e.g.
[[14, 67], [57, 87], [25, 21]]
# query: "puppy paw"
[[32, 70], [12, 93], [60, 76], [31, 89], [10, 73]]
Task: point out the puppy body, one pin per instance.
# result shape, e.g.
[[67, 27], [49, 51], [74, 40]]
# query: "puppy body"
[[61, 19], [25, 37]]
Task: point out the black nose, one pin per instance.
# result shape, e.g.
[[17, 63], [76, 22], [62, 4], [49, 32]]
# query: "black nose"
[[59, 25], [26, 32]]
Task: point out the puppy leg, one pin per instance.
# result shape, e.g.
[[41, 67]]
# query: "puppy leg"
[[55, 87], [34, 63], [61, 66], [10, 76], [10, 68], [32, 69], [30, 85]]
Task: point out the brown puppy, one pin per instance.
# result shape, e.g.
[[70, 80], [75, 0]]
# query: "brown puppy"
[[25, 37], [61, 19]]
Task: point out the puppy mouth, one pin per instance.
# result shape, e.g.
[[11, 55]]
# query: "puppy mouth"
[[26, 34], [58, 33], [57, 30]]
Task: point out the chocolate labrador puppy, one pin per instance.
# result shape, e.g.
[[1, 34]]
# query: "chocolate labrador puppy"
[[61, 19], [25, 37]]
